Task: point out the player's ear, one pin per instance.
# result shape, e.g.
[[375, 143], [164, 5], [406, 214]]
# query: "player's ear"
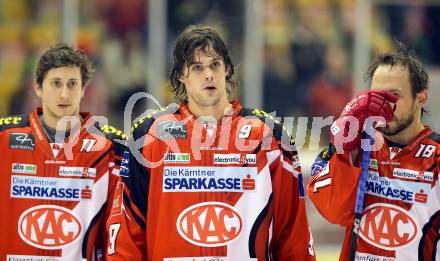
[[37, 88], [421, 98]]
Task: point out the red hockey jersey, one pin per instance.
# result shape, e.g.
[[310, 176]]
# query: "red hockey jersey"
[[196, 190], [401, 219], [53, 196]]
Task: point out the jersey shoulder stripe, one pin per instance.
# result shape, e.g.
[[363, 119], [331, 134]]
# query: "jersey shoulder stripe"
[[140, 127], [14, 121], [435, 137]]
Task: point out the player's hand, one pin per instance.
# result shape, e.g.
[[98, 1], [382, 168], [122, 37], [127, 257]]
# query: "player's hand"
[[362, 106]]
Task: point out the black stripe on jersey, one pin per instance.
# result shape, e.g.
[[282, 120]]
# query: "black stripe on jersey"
[[14, 121], [432, 167], [435, 137], [256, 226], [136, 217], [91, 226], [430, 226], [101, 157]]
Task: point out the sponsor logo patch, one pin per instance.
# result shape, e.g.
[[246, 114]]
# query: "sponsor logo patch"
[[124, 171], [50, 188], [31, 258], [171, 129], [396, 189], [197, 179], [48, 227], [77, 172], [21, 141], [118, 199], [235, 159], [413, 174], [209, 224], [171, 158], [373, 164], [368, 257], [387, 226], [19, 168]]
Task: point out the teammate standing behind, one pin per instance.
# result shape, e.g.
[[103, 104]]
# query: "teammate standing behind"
[[53, 195], [209, 185], [401, 219]]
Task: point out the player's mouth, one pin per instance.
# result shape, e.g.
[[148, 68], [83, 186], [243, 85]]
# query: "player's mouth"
[[63, 106], [210, 88]]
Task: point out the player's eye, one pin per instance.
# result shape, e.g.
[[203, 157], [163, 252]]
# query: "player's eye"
[[215, 65], [56, 83], [73, 84], [197, 68]]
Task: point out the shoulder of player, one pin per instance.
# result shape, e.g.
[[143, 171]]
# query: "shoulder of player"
[[112, 133], [142, 126], [14, 121], [270, 121], [435, 137]]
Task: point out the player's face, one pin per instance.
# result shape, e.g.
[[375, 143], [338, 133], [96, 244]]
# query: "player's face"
[[205, 79], [396, 80], [60, 93]]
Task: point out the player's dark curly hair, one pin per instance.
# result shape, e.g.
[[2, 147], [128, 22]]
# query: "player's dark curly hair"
[[196, 37], [62, 55], [402, 56]]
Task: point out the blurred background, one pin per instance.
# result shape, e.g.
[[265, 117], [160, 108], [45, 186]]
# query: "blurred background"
[[300, 58]]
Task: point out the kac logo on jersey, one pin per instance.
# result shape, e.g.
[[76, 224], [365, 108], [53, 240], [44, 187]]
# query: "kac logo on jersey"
[[209, 224], [49, 227], [21, 141], [387, 226]]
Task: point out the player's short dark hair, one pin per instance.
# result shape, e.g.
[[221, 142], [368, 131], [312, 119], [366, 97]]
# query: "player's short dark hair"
[[62, 55], [402, 56], [196, 37]]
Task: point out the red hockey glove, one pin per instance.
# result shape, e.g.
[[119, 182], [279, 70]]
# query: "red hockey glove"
[[348, 127]]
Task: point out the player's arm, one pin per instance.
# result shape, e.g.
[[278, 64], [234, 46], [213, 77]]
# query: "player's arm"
[[126, 226], [292, 239], [333, 186]]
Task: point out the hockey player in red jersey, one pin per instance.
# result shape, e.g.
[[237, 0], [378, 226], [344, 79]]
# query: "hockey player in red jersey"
[[401, 217], [56, 179], [212, 181]]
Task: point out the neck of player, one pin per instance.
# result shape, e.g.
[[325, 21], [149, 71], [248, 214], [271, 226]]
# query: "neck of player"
[[59, 123], [408, 134], [216, 110]]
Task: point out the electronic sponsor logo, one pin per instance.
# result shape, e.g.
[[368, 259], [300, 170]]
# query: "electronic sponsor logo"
[[49, 227], [369, 257], [396, 189], [235, 159], [373, 164], [209, 224], [413, 174], [51, 188], [21, 141], [171, 158], [206, 258], [171, 129], [65, 171], [209, 179], [388, 226], [19, 168], [31, 258]]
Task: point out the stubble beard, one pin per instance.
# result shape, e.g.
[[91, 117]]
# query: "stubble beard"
[[401, 124]]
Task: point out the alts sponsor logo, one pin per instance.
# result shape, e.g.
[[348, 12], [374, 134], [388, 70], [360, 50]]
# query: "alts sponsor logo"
[[21, 141], [77, 172], [395, 189], [19, 168], [177, 158], [373, 164], [32, 258], [51, 188], [49, 227], [235, 159], [197, 179], [209, 224], [388, 226], [413, 174]]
